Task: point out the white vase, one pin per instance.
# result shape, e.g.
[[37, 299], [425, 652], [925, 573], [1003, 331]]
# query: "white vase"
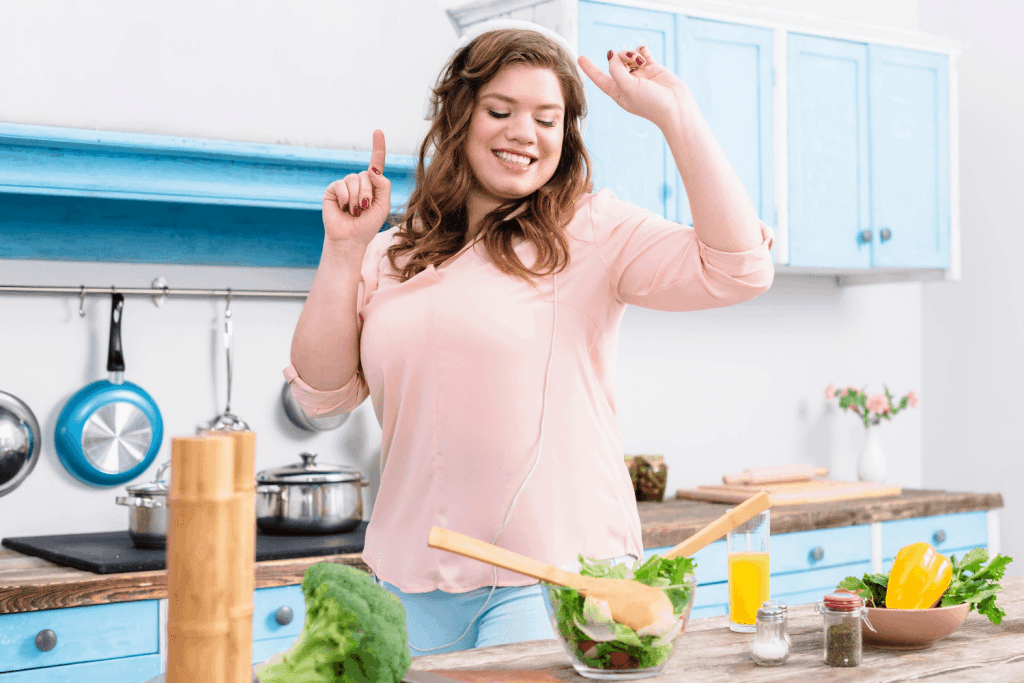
[[872, 459]]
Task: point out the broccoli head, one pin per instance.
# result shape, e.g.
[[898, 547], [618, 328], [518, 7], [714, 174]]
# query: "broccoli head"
[[354, 632]]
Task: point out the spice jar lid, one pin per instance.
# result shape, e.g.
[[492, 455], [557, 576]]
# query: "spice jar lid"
[[843, 602], [772, 608], [308, 472]]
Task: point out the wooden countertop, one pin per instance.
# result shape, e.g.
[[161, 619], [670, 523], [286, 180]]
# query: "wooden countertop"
[[711, 653], [673, 521], [29, 583]]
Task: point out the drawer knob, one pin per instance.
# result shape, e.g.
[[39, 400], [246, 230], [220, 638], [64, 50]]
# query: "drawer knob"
[[46, 640], [284, 615], [817, 554], [865, 236], [886, 234], [939, 536]]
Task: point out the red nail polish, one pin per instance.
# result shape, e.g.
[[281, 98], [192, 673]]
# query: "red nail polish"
[[640, 61], [356, 212], [366, 203], [610, 53], [629, 54], [375, 170]]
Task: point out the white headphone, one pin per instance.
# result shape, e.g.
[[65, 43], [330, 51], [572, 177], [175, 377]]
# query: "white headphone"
[[496, 25]]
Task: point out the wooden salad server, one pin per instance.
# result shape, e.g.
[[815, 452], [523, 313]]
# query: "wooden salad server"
[[631, 603], [727, 522]]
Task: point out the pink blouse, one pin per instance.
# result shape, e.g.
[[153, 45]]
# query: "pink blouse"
[[454, 361]]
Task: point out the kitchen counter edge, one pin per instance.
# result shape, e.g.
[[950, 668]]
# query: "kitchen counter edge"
[[31, 584]]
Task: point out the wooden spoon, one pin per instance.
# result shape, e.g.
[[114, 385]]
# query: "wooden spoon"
[[727, 522], [631, 603]]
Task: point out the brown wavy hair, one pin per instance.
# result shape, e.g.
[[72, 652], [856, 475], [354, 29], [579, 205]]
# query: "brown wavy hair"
[[434, 225]]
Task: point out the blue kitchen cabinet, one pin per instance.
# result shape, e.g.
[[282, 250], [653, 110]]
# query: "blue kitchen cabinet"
[[277, 617], [728, 68], [954, 534], [828, 152], [868, 155], [70, 194], [908, 99], [629, 154], [113, 643]]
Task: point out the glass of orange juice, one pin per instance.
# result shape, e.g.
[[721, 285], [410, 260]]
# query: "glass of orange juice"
[[748, 568]]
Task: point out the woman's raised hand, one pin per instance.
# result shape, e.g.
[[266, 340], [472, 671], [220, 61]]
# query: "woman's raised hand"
[[356, 206], [640, 85]]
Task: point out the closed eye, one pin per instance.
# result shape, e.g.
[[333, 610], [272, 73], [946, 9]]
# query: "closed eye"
[[498, 115]]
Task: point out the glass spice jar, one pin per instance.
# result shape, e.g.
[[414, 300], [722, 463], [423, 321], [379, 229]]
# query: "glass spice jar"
[[770, 646], [842, 614]]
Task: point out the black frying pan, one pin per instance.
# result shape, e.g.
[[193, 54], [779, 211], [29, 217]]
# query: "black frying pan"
[[109, 431]]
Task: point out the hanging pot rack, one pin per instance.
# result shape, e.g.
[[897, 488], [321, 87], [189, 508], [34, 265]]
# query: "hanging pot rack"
[[159, 290]]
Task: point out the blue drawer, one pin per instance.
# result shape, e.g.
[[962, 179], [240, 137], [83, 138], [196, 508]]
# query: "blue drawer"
[[797, 552], [790, 552], [84, 634], [947, 533], [262, 650], [125, 670], [266, 603]]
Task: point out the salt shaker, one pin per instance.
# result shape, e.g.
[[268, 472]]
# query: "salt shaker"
[[842, 614], [770, 646]]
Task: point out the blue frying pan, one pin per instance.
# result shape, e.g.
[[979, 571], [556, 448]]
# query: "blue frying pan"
[[110, 431]]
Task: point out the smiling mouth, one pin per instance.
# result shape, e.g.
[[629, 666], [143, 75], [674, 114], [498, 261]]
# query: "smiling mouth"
[[513, 159]]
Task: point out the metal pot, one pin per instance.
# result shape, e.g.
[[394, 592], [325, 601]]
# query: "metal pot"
[[147, 511], [307, 498]]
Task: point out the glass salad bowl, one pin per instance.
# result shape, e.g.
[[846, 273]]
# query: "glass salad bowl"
[[602, 649]]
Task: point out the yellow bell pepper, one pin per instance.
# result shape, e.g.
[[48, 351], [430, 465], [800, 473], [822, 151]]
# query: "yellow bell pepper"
[[918, 578]]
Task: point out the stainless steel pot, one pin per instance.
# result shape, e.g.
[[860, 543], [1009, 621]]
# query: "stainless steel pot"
[[307, 498], [20, 441], [147, 511]]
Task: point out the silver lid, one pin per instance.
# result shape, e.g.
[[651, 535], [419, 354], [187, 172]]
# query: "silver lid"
[[308, 472], [772, 609], [157, 487]]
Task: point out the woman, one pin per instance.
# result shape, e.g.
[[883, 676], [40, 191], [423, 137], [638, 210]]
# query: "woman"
[[484, 327]]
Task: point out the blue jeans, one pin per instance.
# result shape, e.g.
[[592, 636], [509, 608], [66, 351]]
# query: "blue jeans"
[[437, 619]]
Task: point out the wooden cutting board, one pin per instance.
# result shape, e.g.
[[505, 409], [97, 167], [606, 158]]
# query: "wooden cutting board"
[[795, 493]]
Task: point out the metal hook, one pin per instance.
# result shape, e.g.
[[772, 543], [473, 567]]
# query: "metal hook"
[[227, 310], [81, 302]]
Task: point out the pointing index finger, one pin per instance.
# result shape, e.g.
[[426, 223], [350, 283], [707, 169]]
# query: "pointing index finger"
[[377, 155]]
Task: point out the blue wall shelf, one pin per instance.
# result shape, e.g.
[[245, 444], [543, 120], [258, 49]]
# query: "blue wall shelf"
[[81, 195]]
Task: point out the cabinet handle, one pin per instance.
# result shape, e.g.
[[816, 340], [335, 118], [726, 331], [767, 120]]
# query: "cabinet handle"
[[284, 615], [46, 640], [885, 234], [939, 536], [817, 554], [865, 236]]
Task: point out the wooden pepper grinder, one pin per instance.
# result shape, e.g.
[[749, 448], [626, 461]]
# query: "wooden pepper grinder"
[[200, 545], [242, 562]]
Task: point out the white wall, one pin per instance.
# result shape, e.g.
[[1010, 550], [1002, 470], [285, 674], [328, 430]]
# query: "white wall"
[[973, 330], [714, 391]]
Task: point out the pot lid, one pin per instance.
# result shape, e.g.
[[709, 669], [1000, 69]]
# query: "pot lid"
[[151, 488], [157, 487], [308, 472]]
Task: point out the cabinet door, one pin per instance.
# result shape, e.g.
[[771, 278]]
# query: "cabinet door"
[[909, 109], [728, 68], [629, 154], [828, 152]]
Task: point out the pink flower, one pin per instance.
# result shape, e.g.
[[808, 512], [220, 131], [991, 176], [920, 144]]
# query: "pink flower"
[[830, 392], [912, 399], [877, 404], [849, 389]]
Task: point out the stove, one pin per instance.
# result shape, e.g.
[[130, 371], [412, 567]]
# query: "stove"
[[112, 552]]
